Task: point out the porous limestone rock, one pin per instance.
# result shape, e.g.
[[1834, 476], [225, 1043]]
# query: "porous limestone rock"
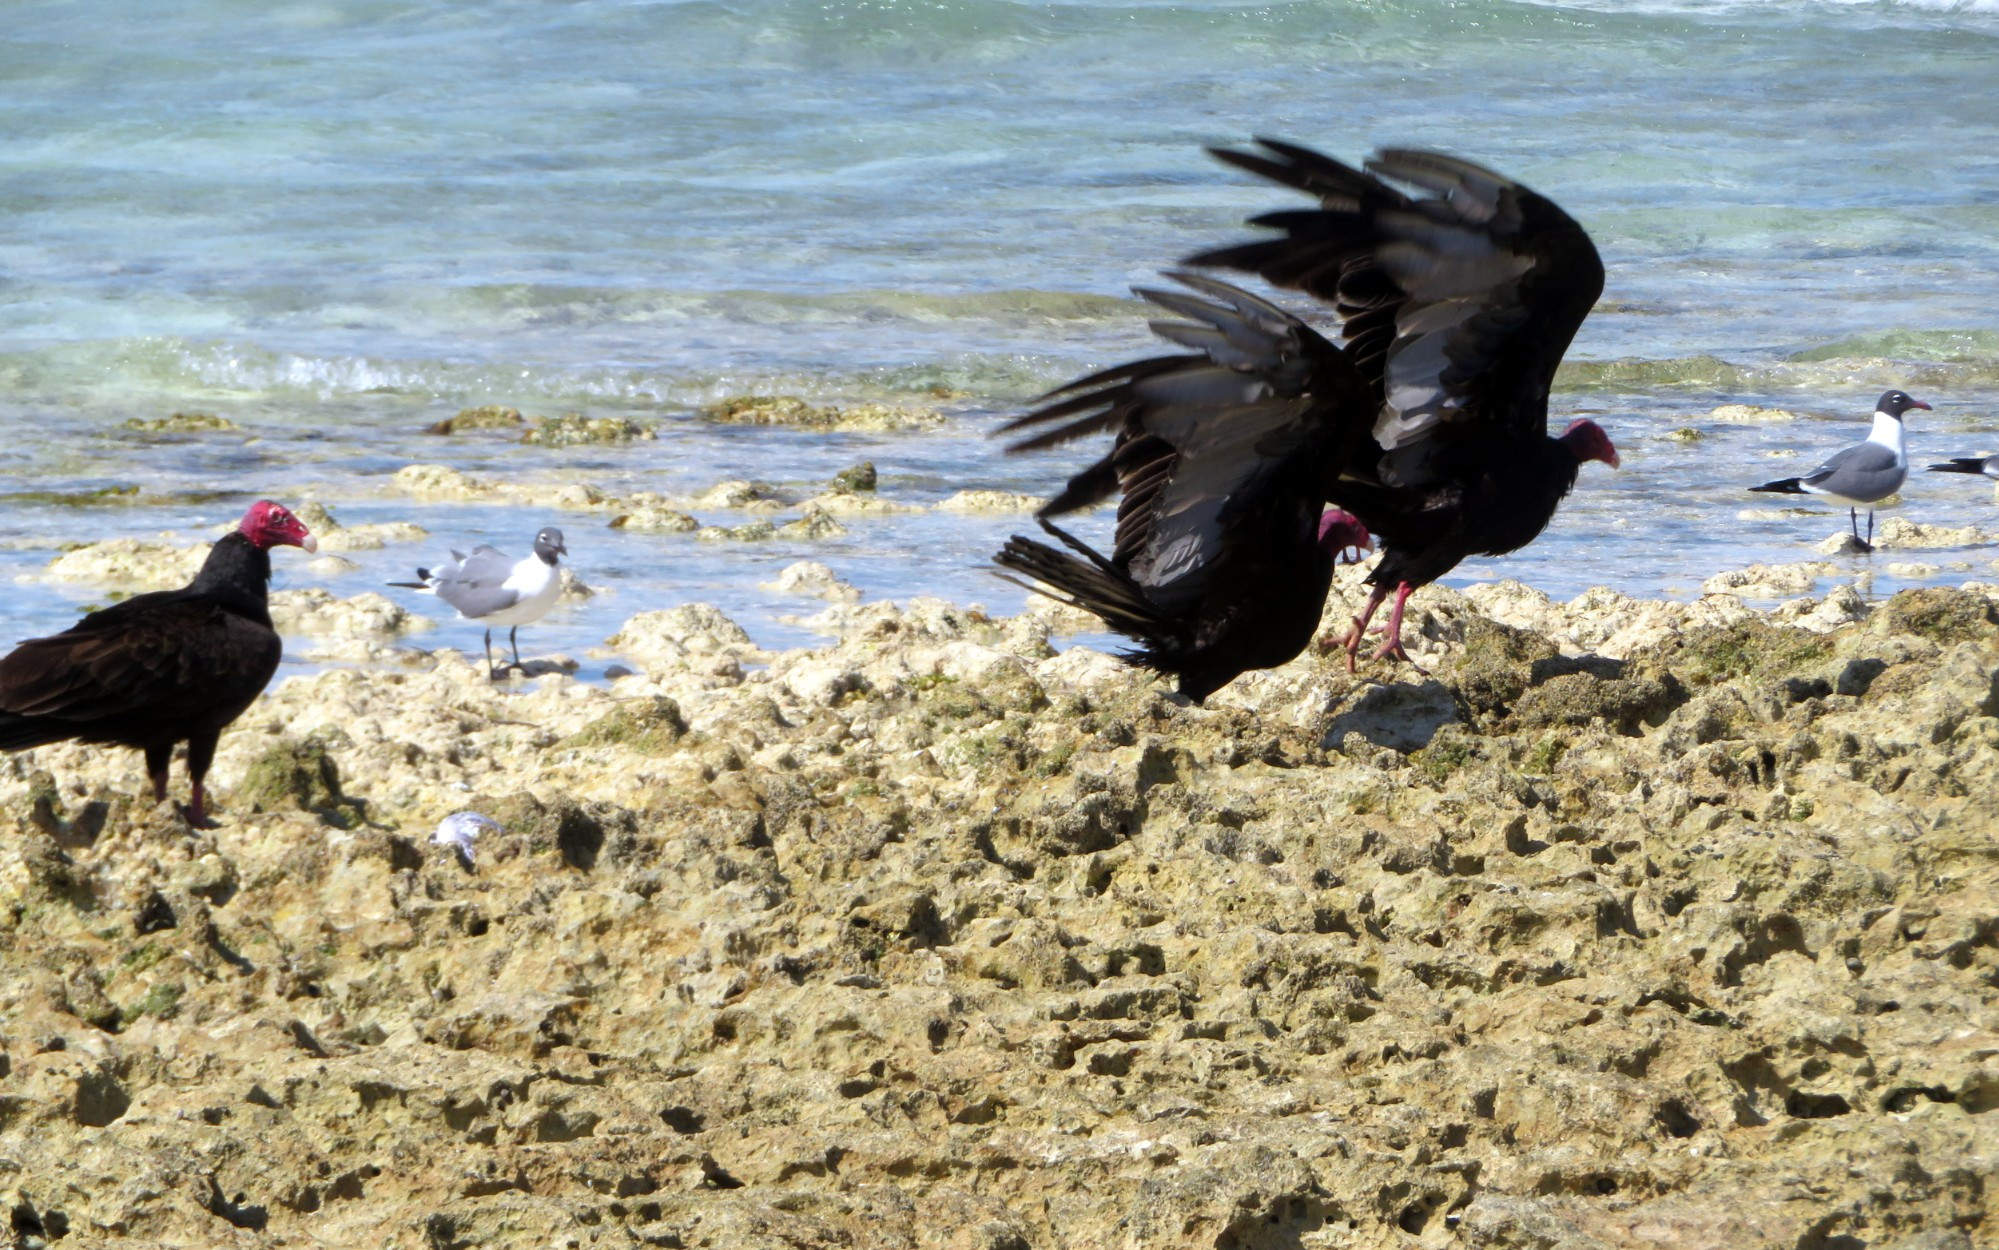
[[923, 937], [130, 563], [991, 501], [576, 430], [790, 410], [809, 577]]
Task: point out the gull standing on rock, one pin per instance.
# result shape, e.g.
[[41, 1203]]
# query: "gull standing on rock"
[[492, 589], [1863, 473]]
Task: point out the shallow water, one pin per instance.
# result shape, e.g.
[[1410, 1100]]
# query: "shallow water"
[[335, 224]]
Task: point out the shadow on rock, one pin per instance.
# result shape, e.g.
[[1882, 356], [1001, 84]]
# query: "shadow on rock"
[[1402, 716]]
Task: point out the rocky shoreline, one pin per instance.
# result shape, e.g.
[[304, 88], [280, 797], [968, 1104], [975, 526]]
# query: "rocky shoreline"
[[1631, 923]]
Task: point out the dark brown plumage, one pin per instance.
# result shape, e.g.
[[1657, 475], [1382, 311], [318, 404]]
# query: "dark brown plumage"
[[1224, 551], [161, 668], [1456, 304], [1427, 426]]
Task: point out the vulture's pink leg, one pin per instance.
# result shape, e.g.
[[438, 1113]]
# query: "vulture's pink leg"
[[1351, 639], [1391, 646]]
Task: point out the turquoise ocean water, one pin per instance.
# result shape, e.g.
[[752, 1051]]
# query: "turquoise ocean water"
[[334, 223]]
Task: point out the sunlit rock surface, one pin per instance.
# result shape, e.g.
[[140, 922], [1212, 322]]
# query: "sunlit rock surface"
[[1631, 924]]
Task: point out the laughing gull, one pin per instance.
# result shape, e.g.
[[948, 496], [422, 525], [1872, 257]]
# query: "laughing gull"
[[1986, 466], [1863, 473], [488, 587]]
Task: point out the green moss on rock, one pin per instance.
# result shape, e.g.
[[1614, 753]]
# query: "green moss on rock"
[[1576, 693], [181, 423], [1940, 614], [859, 478], [575, 430], [791, 410], [650, 726], [294, 776], [1496, 668], [483, 417], [1747, 648]]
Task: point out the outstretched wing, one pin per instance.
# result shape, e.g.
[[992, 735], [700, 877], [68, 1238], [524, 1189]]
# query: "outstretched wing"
[[1457, 296], [1247, 426], [182, 661]]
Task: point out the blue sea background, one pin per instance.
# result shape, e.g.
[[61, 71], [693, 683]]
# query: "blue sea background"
[[335, 223]]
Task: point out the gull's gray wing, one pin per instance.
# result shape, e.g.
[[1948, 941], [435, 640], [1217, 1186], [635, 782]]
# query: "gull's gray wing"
[[1863, 472], [475, 585]]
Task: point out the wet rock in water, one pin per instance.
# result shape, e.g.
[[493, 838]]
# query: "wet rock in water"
[[809, 577], [1844, 543], [181, 423], [752, 532], [1770, 581], [791, 410], [849, 505], [437, 481], [574, 588], [576, 430], [655, 521], [1751, 412], [732, 494], [675, 633], [483, 417], [991, 501], [336, 537], [860, 477], [135, 563], [815, 525], [1894, 532], [1687, 434], [317, 612], [1653, 942], [331, 566]]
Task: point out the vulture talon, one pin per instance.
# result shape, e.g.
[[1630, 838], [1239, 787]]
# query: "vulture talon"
[[196, 819]]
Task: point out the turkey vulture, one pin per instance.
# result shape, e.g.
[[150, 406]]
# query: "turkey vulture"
[[160, 668], [1866, 472], [487, 586], [1457, 291]]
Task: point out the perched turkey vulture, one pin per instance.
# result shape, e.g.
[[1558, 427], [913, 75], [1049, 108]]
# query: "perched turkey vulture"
[[1866, 472], [1457, 291], [161, 668]]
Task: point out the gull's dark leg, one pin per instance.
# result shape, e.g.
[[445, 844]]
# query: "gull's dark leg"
[[1853, 516], [513, 635], [492, 669]]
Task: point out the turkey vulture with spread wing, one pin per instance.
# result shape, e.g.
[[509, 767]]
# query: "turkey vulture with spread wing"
[[161, 668], [1224, 550], [1457, 292]]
